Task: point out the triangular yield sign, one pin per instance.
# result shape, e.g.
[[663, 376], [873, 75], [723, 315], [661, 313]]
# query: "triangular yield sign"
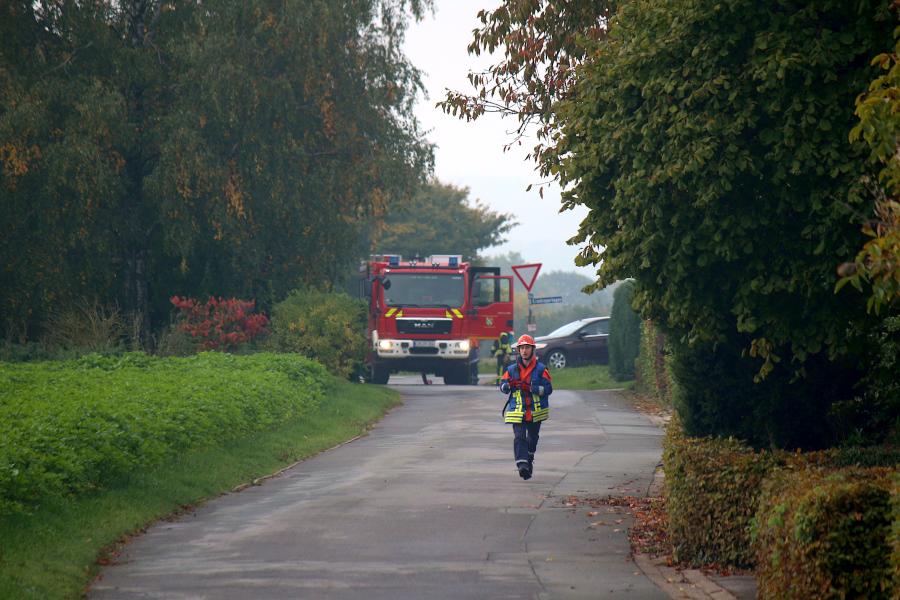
[[529, 272]]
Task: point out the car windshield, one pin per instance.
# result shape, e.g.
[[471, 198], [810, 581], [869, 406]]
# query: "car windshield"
[[567, 329], [425, 290]]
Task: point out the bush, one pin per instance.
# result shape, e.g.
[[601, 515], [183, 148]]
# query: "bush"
[[713, 488], [174, 341], [711, 494], [822, 534], [624, 333], [718, 395], [653, 365], [220, 324], [895, 530], [874, 417], [69, 427], [327, 327], [85, 328]]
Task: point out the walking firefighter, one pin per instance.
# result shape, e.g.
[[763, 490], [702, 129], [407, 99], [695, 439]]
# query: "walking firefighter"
[[527, 384]]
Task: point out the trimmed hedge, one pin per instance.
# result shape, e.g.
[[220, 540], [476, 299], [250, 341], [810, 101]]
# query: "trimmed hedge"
[[714, 487], [653, 365], [624, 333], [825, 534], [895, 530], [327, 327], [71, 426], [711, 496]]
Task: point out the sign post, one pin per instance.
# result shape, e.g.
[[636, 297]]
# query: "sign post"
[[527, 274]]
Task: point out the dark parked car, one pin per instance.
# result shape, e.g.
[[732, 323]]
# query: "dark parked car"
[[584, 341]]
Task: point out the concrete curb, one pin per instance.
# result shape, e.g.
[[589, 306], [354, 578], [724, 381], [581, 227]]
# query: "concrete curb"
[[690, 584]]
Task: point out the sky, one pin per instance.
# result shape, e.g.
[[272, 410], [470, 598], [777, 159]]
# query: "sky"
[[470, 154]]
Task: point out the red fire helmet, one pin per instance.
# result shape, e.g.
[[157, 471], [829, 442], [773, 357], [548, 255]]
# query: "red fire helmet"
[[525, 340]]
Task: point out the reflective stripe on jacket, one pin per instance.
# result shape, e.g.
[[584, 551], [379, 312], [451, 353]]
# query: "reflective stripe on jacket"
[[516, 404]]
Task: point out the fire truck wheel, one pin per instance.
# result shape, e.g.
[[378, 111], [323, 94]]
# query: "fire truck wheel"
[[458, 375], [379, 375]]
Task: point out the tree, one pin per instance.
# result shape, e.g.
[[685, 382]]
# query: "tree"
[[708, 141], [624, 333], [542, 43], [152, 148], [438, 219], [695, 140], [878, 262]]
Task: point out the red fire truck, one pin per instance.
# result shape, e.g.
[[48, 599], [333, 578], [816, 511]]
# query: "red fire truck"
[[427, 315]]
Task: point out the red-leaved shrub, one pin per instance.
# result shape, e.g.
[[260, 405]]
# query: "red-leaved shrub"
[[220, 324]]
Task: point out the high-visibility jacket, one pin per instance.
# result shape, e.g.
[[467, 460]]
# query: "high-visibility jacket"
[[522, 403], [501, 346]]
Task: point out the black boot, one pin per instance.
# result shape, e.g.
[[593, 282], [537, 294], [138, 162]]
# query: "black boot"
[[524, 470]]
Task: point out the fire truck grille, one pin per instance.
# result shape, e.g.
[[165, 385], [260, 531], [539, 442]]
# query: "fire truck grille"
[[423, 350], [424, 325]]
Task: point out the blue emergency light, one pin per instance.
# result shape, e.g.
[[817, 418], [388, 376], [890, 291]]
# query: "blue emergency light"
[[394, 260], [454, 262]]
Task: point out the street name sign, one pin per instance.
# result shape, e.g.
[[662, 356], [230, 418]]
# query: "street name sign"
[[546, 300]]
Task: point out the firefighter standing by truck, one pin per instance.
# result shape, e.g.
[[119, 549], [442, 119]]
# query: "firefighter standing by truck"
[[527, 383], [501, 350]]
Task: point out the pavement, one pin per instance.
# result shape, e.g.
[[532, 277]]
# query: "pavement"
[[427, 505]]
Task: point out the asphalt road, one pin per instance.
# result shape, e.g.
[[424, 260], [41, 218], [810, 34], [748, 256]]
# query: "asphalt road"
[[428, 505]]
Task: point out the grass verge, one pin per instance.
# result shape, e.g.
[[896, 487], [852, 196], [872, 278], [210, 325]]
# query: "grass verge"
[[592, 377], [56, 551]]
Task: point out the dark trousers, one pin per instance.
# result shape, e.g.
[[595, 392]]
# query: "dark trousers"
[[525, 442]]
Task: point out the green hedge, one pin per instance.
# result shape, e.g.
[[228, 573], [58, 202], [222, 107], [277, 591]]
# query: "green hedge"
[[624, 333], [653, 365], [713, 488], [327, 327], [711, 495], [72, 426], [825, 534], [895, 530]]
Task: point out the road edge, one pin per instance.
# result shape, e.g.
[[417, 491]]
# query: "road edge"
[[688, 584]]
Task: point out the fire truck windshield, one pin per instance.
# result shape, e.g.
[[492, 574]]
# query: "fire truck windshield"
[[425, 290]]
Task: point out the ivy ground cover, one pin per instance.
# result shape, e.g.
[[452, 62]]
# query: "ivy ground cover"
[[74, 426], [50, 546]]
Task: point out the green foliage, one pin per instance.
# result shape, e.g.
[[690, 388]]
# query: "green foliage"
[[327, 327], [711, 495], [151, 148], [874, 416], [624, 333], [718, 395], [895, 529], [878, 262], [821, 534], [697, 135], [75, 426], [438, 219], [653, 366], [714, 490], [66, 536]]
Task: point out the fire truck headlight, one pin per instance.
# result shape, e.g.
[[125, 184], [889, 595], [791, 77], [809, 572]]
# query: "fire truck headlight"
[[464, 345], [385, 344]]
